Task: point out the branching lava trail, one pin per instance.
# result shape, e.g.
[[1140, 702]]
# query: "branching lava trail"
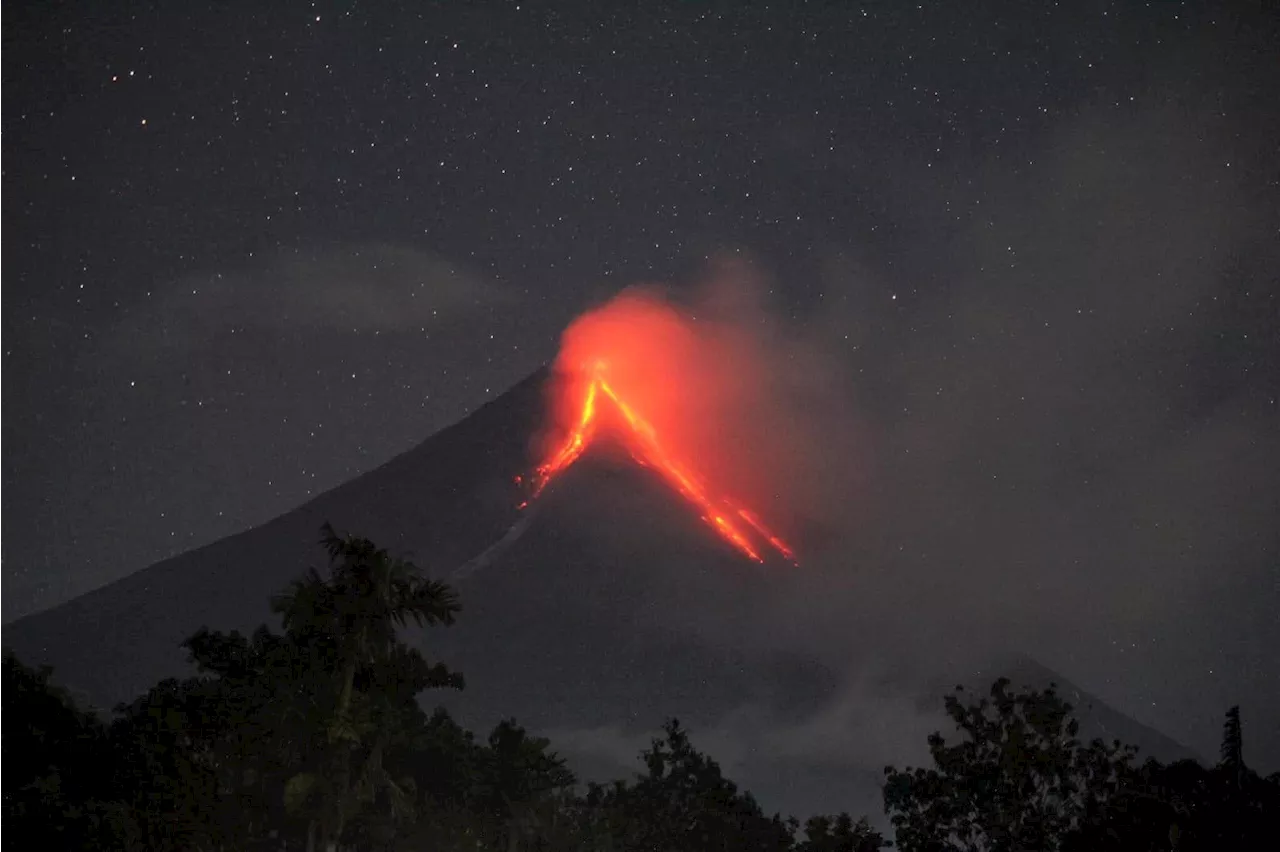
[[730, 521]]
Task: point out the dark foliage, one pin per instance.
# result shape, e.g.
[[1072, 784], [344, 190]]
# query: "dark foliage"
[[1019, 779], [681, 801], [315, 738], [57, 777]]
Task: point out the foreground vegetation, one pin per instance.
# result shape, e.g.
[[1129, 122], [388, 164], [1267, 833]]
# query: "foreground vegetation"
[[315, 738]]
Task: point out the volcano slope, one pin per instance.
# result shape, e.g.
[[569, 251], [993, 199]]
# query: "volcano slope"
[[442, 501], [601, 609]]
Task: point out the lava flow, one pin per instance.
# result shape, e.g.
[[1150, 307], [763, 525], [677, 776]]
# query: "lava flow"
[[722, 515]]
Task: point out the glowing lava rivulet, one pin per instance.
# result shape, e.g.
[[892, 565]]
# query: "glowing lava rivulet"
[[600, 369]]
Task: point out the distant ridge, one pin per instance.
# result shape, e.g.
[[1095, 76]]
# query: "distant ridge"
[[1097, 718]]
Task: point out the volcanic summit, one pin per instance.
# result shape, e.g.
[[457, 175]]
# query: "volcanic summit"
[[616, 555]]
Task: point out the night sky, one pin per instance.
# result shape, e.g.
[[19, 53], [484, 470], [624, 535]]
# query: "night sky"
[[254, 249]]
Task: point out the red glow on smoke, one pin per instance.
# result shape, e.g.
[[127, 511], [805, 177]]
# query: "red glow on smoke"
[[634, 356]]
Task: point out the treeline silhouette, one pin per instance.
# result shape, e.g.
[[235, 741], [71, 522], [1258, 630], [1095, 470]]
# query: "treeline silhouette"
[[314, 738]]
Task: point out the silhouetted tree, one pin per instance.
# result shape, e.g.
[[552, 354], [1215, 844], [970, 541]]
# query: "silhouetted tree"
[[839, 834], [168, 765], [58, 791], [682, 802], [356, 612], [291, 730], [1018, 779], [518, 775], [1232, 752], [315, 737], [1187, 807]]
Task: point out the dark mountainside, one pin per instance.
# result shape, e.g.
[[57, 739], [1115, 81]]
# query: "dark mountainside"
[[594, 618], [443, 501]]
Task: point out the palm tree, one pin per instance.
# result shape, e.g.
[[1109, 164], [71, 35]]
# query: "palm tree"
[[354, 615]]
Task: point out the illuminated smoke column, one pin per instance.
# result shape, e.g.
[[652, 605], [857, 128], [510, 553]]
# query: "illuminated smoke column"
[[639, 369]]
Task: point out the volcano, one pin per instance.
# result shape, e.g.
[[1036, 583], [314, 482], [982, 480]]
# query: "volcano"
[[591, 614], [595, 389], [637, 358]]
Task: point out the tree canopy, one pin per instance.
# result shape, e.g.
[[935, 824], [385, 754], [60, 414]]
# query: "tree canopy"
[[317, 737]]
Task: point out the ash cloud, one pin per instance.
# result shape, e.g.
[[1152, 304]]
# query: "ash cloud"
[[739, 400], [828, 760], [1058, 442], [373, 287], [750, 406]]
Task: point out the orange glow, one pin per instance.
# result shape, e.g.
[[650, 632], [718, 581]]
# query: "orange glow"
[[573, 447], [590, 375], [769, 536]]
